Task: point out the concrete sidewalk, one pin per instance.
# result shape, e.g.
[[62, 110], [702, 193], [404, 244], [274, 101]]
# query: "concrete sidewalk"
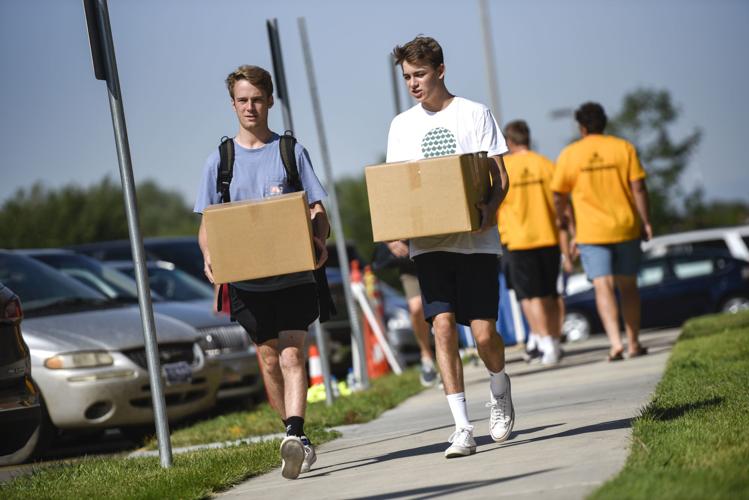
[[571, 434]]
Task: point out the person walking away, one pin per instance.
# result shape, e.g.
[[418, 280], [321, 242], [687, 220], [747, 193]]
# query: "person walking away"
[[528, 225], [276, 311], [603, 175], [458, 272]]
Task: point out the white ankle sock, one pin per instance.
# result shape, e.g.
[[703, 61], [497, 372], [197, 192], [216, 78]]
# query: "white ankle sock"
[[497, 383], [546, 344], [532, 341], [427, 363], [459, 410]]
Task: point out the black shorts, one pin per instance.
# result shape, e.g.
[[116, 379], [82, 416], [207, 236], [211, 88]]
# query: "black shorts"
[[264, 314], [464, 284], [534, 273]]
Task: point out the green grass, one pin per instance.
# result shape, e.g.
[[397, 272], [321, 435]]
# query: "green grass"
[[201, 473], [384, 393], [692, 440]]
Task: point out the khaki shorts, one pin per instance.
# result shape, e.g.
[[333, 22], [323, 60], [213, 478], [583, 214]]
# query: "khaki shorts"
[[410, 286]]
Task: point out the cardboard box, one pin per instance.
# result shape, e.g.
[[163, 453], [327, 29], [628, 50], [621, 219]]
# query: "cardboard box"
[[427, 197], [257, 239]]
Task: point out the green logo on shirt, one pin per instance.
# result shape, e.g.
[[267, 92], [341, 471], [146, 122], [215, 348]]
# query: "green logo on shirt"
[[438, 142]]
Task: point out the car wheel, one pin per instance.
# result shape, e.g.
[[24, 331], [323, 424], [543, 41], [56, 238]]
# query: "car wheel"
[[37, 444], [576, 326], [24, 453], [735, 304]]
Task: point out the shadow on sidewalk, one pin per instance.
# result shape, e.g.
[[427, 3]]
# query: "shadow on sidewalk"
[[622, 423], [439, 490]]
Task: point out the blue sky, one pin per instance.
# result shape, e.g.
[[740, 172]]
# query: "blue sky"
[[173, 56]]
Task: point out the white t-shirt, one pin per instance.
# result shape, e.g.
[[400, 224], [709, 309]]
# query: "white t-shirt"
[[462, 127]]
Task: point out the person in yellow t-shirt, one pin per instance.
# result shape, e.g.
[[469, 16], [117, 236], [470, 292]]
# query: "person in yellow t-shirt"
[[528, 229], [610, 200]]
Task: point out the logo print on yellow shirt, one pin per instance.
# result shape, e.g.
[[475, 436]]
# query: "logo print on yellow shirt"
[[438, 142]]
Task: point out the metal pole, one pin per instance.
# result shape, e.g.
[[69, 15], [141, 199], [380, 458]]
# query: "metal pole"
[[356, 332], [491, 70], [105, 67], [282, 91], [396, 84], [321, 336]]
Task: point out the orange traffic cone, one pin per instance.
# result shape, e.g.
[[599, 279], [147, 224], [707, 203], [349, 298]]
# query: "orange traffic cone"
[[377, 364], [315, 366]]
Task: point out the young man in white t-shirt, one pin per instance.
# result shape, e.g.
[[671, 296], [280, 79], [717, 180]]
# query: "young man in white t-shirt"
[[457, 272]]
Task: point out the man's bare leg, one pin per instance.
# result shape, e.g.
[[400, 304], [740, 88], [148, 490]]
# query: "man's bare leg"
[[448, 357], [608, 310], [492, 352], [489, 343], [270, 367], [630, 310], [292, 361], [420, 327]]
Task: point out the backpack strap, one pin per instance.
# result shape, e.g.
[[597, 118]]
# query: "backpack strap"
[[223, 181], [225, 168], [288, 157]]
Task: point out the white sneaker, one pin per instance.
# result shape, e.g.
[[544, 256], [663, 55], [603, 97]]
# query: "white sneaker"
[[501, 414], [462, 443], [552, 357], [310, 457], [292, 457]]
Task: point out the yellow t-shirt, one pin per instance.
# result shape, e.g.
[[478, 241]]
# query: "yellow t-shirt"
[[526, 216], [597, 171]]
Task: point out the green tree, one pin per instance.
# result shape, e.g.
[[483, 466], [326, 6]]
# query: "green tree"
[[41, 217], [645, 119]]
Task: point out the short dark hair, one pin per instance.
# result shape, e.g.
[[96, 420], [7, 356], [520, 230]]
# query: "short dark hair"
[[518, 132], [591, 116], [256, 75], [420, 49]]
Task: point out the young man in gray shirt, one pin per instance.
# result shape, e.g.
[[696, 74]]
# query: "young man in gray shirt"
[[275, 311]]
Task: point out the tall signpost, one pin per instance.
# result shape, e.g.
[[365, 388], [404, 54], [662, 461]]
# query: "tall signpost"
[[359, 353], [282, 93], [105, 68]]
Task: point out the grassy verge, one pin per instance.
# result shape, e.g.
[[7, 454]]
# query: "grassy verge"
[[384, 393], [199, 474], [692, 440]]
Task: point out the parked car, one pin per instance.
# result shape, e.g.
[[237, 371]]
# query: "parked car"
[[170, 282], [673, 288], [185, 254], [88, 355], [20, 402], [182, 251], [222, 339], [732, 241]]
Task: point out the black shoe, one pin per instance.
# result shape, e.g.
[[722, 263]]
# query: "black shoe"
[[532, 354]]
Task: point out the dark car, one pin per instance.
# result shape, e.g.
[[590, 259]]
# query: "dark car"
[[20, 410], [182, 251], [673, 288]]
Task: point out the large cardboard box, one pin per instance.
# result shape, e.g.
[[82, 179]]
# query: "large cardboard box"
[[427, 197], [257, 239]]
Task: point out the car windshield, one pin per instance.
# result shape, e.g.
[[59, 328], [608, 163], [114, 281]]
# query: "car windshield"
[[111, 282], [40, 287], [186, 255], [173, 284]]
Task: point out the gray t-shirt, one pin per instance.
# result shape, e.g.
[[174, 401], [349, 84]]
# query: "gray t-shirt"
[[259, 173]]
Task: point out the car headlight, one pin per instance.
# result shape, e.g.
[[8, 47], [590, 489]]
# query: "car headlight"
[[84, 359]]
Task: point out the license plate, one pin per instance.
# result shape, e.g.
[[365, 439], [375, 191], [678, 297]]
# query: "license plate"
[[177, 373]]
